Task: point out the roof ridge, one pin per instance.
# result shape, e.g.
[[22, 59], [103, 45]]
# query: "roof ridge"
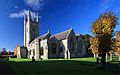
[[62, 32], [42, 35]]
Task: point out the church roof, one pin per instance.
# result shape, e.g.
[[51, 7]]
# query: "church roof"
[[62, 35], [59, 36], [42, 36]]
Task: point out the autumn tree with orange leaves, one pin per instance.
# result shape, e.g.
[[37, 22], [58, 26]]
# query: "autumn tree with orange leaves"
[[103, 29], [117, 44], [94, 46], [15, 50]]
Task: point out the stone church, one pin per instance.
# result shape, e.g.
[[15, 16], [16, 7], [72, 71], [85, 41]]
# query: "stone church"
[[65, 44]]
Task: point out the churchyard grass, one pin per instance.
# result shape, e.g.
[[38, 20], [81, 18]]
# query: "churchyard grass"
[[19, 60], [56, 66]]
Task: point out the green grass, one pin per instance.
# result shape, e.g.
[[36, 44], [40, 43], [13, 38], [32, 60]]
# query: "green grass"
[[89, 59], [56, 66], [115, 58], [19, 60]]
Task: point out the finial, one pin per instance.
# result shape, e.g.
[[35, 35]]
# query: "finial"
[[48, 30], [28, 11], [29, 15], [71, 29], [37, 18], [24, 16], [32, 18]]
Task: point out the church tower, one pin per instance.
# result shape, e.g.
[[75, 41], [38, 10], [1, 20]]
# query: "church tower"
[[31, 28]]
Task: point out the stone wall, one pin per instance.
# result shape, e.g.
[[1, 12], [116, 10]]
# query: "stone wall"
[[21, 52], [55, 41], [44, 45]]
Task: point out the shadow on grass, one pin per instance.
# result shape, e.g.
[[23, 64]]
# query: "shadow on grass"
[[56, 67]]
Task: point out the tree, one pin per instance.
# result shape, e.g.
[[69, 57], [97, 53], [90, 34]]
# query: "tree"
[[3, 52], [103, 29], [113, 48], [94, 46], [15, 50], [9, 52], [86, 38], [0, 53], [117, 44]]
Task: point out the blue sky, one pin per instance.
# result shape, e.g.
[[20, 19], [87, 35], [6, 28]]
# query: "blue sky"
[[56, 15]]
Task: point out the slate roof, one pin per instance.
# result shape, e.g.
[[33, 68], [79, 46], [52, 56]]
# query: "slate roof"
[[43, 36], [40, 37], [62, 35], [59, 36]]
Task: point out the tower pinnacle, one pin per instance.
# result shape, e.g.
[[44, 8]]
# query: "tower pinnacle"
[[37, 18], [48, 30], [29, 15], [24, 18]]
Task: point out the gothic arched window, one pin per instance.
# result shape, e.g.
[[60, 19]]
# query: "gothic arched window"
[[41, 51], [30, 52], [33, 52]]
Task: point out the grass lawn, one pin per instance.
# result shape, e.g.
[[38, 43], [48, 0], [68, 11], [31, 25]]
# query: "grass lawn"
[[56, 66]]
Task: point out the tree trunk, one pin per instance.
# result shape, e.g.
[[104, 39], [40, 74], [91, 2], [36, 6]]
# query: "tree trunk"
[[110, 57], [103, 60], [95, 55], [106, 56], [119, 57]]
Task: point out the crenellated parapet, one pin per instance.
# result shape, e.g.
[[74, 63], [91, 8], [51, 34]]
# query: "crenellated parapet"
[[31, 28]]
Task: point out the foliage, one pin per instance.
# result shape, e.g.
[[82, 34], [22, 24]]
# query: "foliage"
[[86, 38], [104, 24], [15, 50], [3, 52], [113, 46], [117, 43], [94, 45], [0, 53], [103, 29], [9, 52]]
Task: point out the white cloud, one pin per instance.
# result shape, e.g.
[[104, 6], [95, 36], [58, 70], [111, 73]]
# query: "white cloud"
[[21, 14], [35, 4]]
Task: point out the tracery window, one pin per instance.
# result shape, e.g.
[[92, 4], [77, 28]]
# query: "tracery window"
[[33, 52], [41, 51]]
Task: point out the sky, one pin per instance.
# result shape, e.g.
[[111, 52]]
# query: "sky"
[[56, 15]]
